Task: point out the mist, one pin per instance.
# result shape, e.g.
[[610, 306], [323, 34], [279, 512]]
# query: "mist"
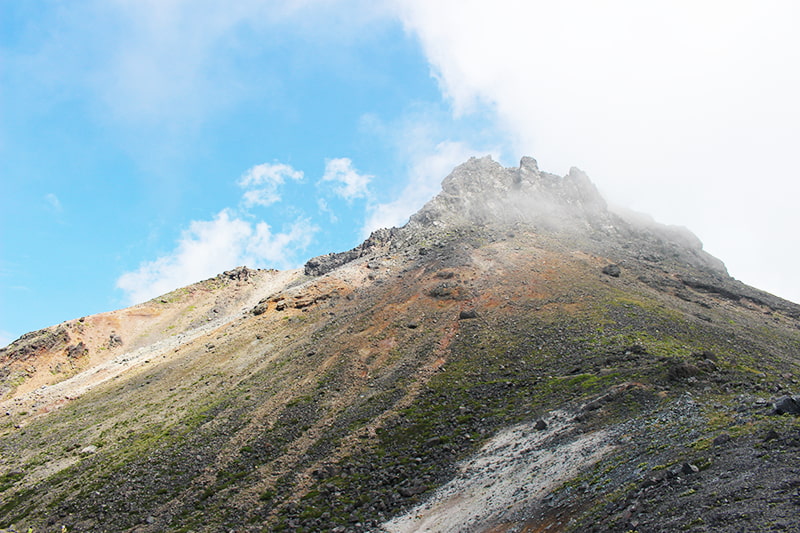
[[684, 111]]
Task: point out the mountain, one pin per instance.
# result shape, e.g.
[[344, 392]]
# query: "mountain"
[[518, 357]]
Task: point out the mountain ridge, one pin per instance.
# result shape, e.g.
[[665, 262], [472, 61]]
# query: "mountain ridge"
[[482, 191], [517, 357], [557, 203]]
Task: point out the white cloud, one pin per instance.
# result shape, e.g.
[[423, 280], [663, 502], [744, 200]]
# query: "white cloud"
[[323, 206], [209, 247], [279, 249], [266, 173], [230, 239], [262, 197], [268, 178], [352, 184], [53, 202], [685, 110]]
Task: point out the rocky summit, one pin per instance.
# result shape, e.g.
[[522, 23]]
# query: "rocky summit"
[[518, 357]]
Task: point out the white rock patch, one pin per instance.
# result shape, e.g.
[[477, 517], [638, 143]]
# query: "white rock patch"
[[515, 468]]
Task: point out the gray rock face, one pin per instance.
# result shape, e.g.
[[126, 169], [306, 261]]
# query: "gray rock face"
[[77, 350], [482, 190], [241, 273], [787, 405], [35, 343], [114, 340], [612, 270], [323, 264], [482, 195]]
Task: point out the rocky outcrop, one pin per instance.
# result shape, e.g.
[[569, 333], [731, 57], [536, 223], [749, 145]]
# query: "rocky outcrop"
[[323, 264], [35, 343], [241, 273], [114, 340], [787, 405], [482, 190], [77, 350]]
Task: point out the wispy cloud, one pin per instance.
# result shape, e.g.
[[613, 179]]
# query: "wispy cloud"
[[263, 181], [173, 62], [323, 206], [351, 184], [231, 238], [209, 247], [53, 203]]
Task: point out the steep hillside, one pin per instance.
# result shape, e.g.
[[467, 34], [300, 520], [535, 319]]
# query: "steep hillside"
[[516, 358]]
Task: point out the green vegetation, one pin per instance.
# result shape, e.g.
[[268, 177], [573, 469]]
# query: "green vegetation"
[[9, 479]]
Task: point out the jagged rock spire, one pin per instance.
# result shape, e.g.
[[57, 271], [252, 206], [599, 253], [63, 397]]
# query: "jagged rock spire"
[[481, 190]]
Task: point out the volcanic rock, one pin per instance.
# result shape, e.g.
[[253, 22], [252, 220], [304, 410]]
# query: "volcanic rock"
[[787, 405], [612, 270]]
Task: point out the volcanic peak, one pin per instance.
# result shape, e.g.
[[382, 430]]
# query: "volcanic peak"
[[480, 196]]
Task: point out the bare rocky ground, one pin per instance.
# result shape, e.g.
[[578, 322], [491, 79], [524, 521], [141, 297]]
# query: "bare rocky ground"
[[517, 467], [517, 358], [46, 367]]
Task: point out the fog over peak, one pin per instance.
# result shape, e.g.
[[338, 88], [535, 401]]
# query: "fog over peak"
[[483, 199], [686, 111]]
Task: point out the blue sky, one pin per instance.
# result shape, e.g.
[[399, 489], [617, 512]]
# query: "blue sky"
[[148, 144]]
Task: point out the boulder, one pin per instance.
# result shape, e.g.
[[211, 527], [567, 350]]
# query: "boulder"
[[721, 439], [467, 314], [612, 270], [241, 273], [683, 371], [114, 340], [77, 350], [688, 469], [787, 405]]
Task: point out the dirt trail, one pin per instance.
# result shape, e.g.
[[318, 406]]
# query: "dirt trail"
[[514, 469]]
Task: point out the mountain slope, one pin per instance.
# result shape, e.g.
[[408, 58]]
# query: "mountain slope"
[[517, 357]]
